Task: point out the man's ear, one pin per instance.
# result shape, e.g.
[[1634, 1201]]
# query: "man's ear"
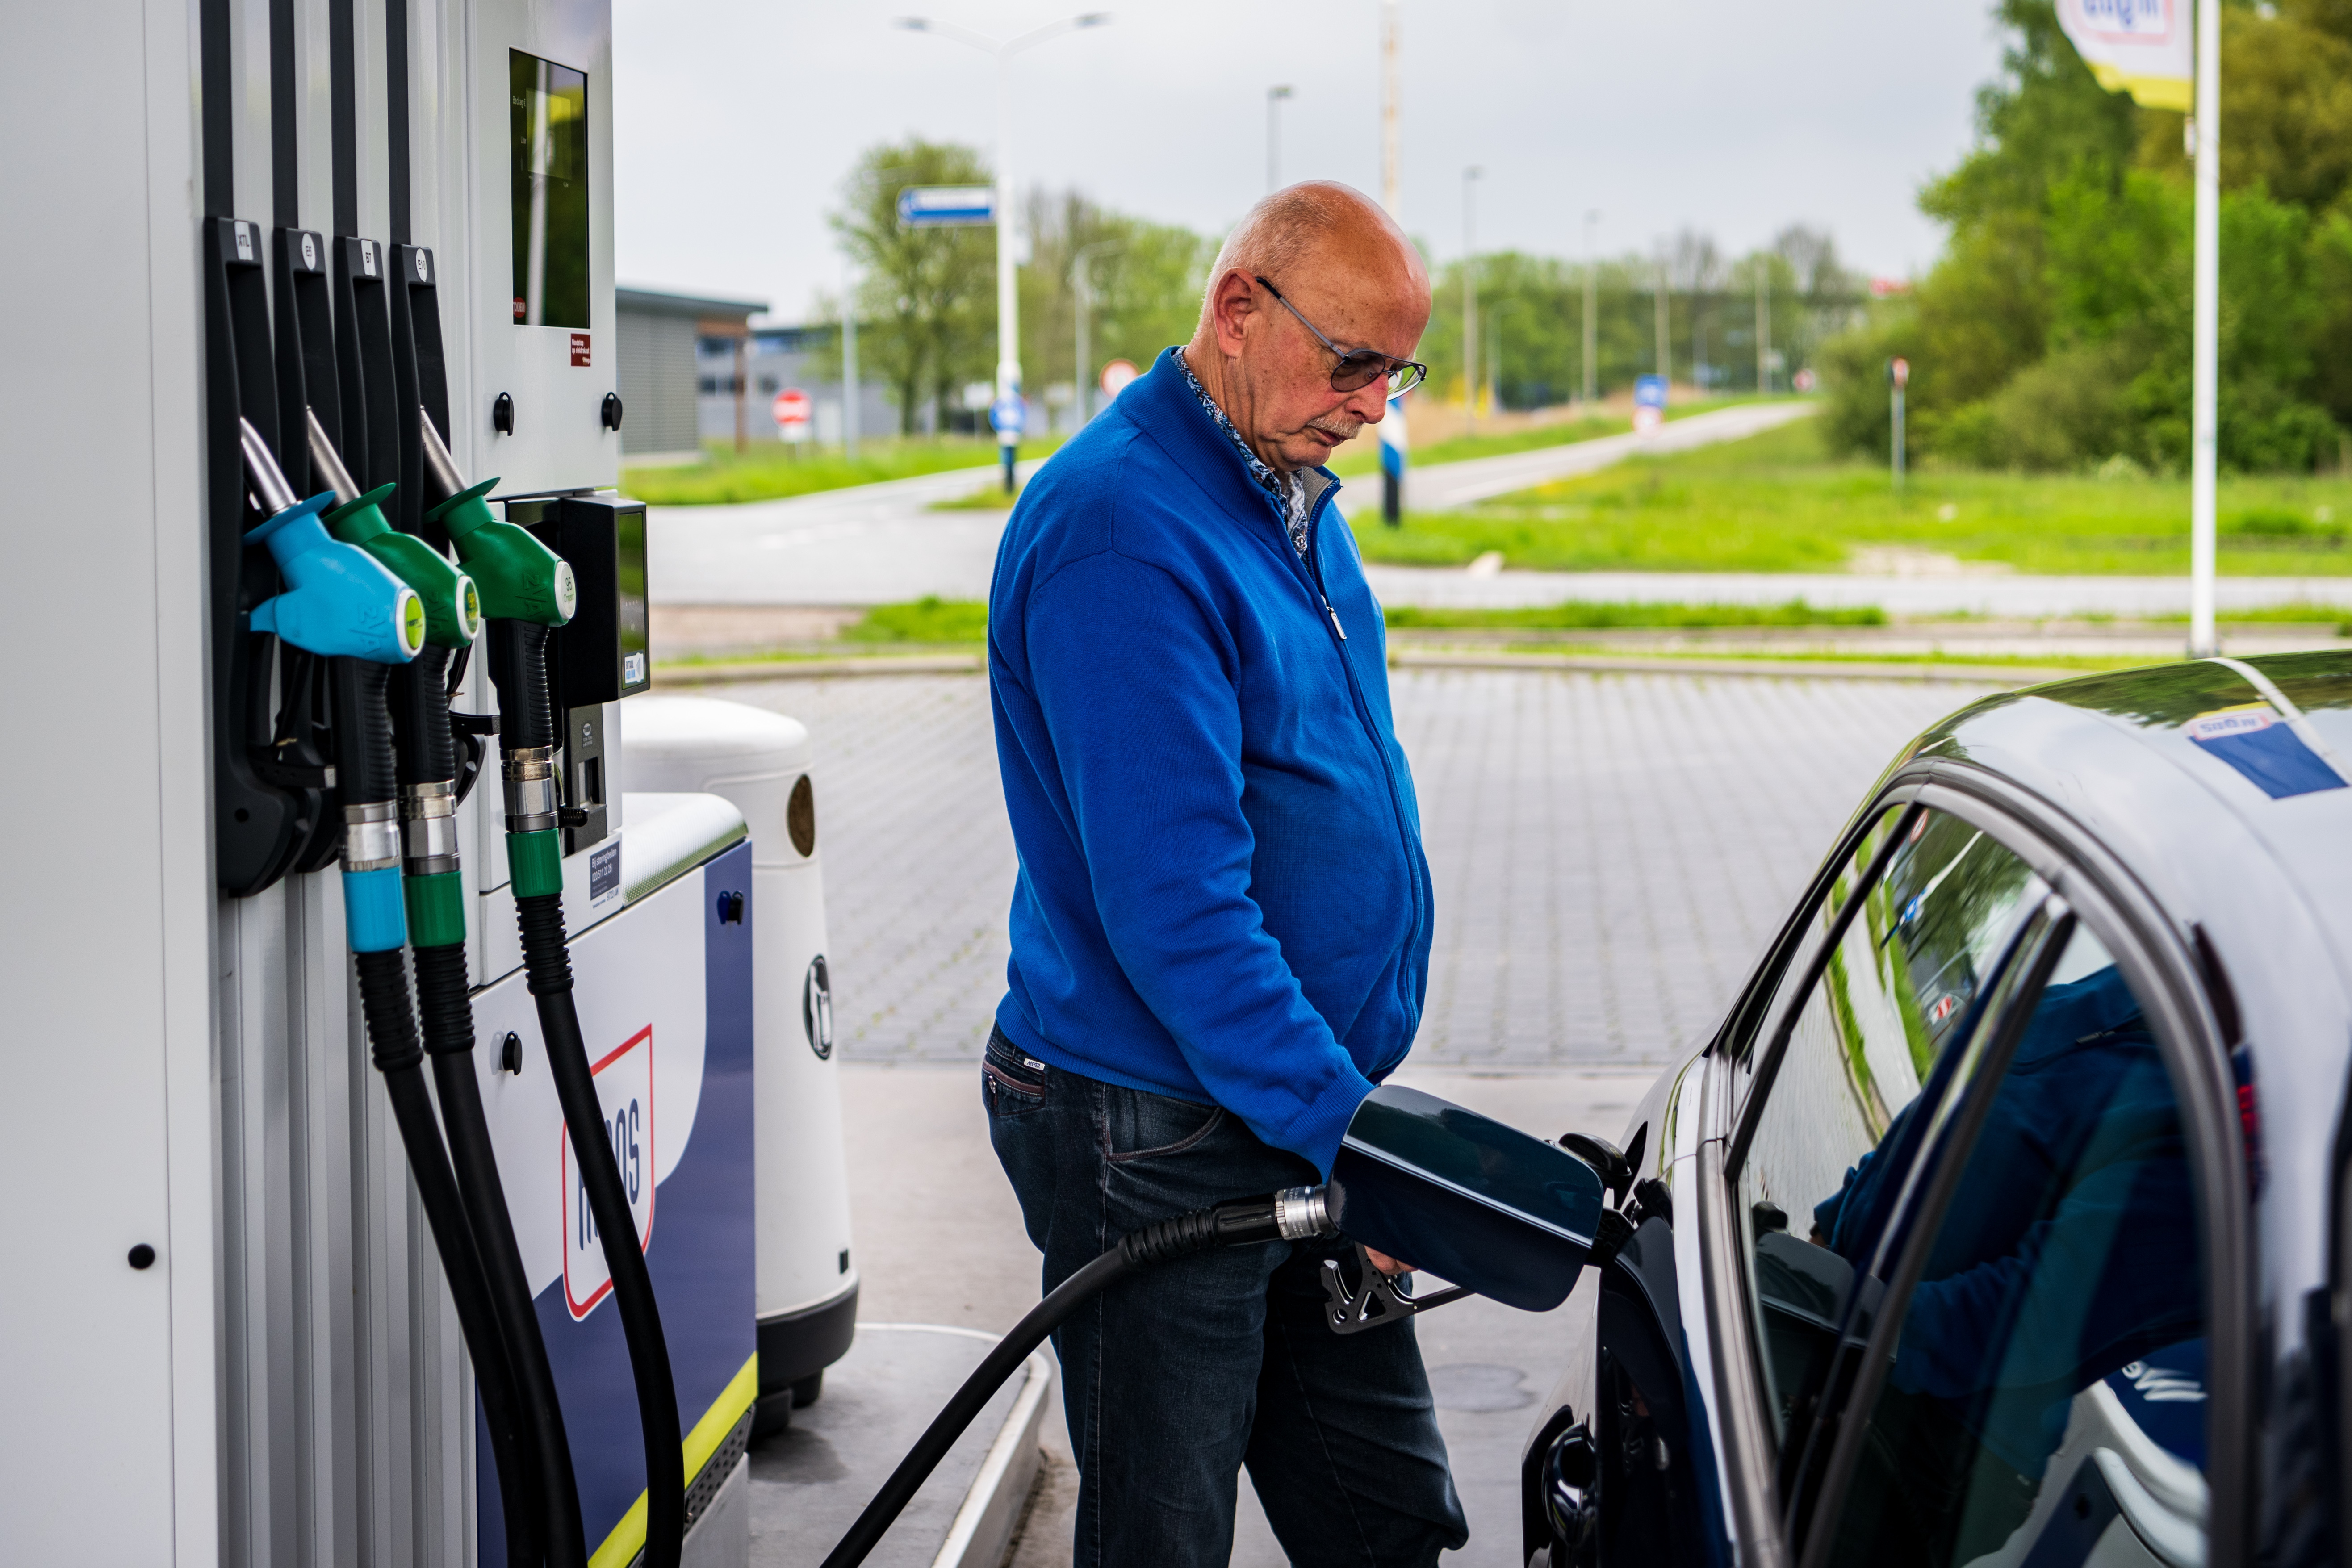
[[1230, 306]]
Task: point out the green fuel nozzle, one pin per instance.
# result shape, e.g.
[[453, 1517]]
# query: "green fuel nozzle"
[[526, 589], [452, 605], [520, 578]]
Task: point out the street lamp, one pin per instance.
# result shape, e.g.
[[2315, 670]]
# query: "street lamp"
[[1274, 95], [1008, 299], [1470, 299], [1082, 284]]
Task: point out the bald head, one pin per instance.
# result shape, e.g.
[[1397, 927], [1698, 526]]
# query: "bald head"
[[1349, 281], [1315, 223]]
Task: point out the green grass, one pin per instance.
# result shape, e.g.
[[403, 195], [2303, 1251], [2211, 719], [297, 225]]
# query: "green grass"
[[769, 470], [1576, 616], [925, 620], [1461, 448], [1776, 502]]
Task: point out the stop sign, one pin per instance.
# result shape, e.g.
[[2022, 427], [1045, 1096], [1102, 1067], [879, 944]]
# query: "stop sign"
[[1116, 374], [790, 408]]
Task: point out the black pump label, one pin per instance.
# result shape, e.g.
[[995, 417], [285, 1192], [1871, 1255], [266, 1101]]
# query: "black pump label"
[[604, 872]]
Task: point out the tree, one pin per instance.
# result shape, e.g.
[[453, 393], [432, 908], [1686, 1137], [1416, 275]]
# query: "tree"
[[2053, 333], [926, 296], [1147, 281]]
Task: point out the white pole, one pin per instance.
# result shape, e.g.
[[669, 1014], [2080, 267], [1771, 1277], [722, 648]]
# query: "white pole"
[[849, 371], [1008, 293], [2204, 379], [1274, 97], [1469, 300], [1392, 176]]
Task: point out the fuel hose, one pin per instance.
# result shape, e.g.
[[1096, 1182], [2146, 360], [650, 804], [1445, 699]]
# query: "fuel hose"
[[433, 900], [1296, 1214], [367, 780], [526, 590], [340, 604], [525, 741], [437, 920]]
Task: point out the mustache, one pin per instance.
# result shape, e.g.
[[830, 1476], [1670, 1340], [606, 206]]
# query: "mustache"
[[1338, 429]]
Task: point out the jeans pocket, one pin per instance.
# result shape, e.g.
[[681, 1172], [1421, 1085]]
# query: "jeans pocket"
[[1013, 1083], [1139, 1125]]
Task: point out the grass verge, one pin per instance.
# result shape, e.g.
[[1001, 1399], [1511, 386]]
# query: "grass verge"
[[1778, 502], [770, 471]]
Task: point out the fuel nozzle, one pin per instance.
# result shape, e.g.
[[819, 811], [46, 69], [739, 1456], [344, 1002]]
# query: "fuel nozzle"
[[521, 579], [452, 605], [526, 590], [339, 602]]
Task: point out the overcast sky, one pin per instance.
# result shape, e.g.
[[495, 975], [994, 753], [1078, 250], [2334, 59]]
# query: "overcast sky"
[[736, 120]]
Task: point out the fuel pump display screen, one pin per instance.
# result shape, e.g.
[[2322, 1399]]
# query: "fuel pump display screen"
[[547, 106]]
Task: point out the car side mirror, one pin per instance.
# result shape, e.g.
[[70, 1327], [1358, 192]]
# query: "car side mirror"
[[1465, 1197]]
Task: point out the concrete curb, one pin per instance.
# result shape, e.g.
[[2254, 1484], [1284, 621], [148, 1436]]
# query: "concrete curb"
[[984, 1526], [991, 1510], [1423, 658], [1752, 669], [810, 668]]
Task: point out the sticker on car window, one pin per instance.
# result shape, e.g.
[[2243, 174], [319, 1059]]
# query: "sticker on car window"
[[2265, 749]]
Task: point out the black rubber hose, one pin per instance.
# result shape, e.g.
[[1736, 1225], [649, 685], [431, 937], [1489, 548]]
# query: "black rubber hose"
[[392, 1036], [447, 1014], [420, 719], [549, 965], [363, 767], [1227, 1225], [519, 669]]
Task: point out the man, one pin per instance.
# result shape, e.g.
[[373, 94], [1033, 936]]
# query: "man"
[[1221, 928]]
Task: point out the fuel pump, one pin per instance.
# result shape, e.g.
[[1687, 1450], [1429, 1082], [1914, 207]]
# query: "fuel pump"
[[434, 902], [527, 590], [343, 605]]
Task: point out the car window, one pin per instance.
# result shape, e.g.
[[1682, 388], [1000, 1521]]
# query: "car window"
[[1896, 986], [2043, 1400]]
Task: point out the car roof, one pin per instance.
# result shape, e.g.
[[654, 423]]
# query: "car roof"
[[2156, 760], [2237, 822]]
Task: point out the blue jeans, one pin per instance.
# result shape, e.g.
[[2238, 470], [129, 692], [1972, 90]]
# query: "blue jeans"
[[1176, 1378]]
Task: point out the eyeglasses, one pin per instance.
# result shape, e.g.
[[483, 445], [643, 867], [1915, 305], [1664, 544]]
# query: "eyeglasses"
[[1359, 368]]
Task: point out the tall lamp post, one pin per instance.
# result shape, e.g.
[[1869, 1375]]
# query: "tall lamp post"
[[1008, 297], [1470, 299], [1273, 99], [1082, 284]]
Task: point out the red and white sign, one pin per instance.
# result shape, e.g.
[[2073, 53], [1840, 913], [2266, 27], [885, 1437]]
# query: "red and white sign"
[[579, 351], [790, 408], [1116, 374], [1900, 372], [624, 1088]]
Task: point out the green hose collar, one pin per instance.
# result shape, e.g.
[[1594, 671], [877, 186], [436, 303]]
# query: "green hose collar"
[[436, 909], [535, 863]]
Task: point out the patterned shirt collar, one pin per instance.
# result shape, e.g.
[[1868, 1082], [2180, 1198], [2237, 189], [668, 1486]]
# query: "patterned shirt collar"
[[1288, 491]]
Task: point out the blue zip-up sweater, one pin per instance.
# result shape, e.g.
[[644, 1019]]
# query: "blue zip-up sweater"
[[1223, 895]]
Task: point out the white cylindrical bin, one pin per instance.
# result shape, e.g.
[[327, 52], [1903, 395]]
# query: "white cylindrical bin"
[[759, 761]]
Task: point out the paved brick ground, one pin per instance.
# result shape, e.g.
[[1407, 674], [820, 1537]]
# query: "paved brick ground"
[[1609, 851]]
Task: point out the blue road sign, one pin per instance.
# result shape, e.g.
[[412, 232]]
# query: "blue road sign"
[[1650, 392], [946, 207], [1010, 415]]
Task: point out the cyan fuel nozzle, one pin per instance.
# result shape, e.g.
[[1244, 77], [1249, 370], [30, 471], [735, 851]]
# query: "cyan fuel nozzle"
[[339, 602], [520, 578], [453, 605]]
